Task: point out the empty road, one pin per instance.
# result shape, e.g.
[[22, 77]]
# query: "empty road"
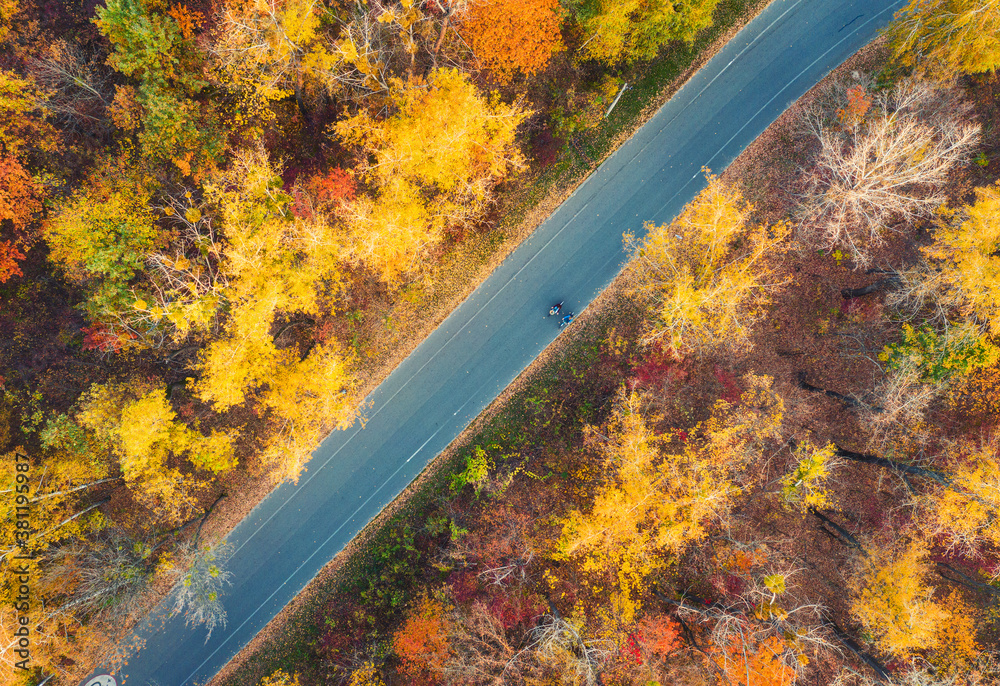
[[497, 332]]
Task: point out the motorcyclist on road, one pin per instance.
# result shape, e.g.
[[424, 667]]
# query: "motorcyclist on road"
[[555, 308]]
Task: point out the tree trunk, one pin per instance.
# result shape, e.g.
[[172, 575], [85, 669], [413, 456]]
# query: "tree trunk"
[[892, 464], [845, 536], [74, 490], [847, 400], [966, 580], [881, 673], [891, 281], [848, 293]]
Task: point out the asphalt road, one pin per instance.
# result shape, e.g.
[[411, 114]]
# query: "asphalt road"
[[485, 343]]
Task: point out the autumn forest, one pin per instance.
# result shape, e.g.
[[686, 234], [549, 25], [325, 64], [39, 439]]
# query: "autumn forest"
[[768, 454]]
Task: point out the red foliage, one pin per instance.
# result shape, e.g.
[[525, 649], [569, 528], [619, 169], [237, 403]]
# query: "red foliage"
[[332, 188], [731, 391], [301, 205], [631, 649], [657, 367], [344, 628], [515, 609], [9, 257], [464, 586], [104, 338]]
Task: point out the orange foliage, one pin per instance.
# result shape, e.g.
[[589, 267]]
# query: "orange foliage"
[[762, 667], [19, 201], [956, 637], [659, 634], [187, 20], [9, 256], [334, 187], [514, 35], [422, 641], [858, 103]]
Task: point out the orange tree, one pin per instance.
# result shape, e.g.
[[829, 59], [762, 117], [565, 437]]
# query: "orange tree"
[[511, 36]]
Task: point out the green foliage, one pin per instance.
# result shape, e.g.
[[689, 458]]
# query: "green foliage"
[[631, 30], [938, 357], [477, 469], [805, 486], [101, 239], [151, 46]]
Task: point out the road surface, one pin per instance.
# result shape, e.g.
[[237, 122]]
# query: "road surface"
[[497, 332]]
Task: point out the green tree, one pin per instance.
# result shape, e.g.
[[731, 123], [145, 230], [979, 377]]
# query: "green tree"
[[152, 47], [101, 237], [631, 30]]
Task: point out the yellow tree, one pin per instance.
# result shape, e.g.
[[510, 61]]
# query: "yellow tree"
[[948, 36], [272, 263], [630, 30], [46, 504], [891, 599], [308, 398], [137, 423], [660, 497], [964, 268], [22, 117], [705, 276], [270, 49], [432, 164], [966, 512]]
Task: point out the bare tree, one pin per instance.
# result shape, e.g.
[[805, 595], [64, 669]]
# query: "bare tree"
[[77, 88], [883, 159], [110, 574], [199, 583]]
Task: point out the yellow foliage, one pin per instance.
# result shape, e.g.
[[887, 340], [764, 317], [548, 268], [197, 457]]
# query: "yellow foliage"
[[805, 487], [272, 262], [967, 513], [890, 598], [705, 275], [141, 427], [280, 678], [630, 30], [948, 36], [366, 675], [267, 47], [432, 164], [308, 398], [658, 500], [957, 649], [964, 254]]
